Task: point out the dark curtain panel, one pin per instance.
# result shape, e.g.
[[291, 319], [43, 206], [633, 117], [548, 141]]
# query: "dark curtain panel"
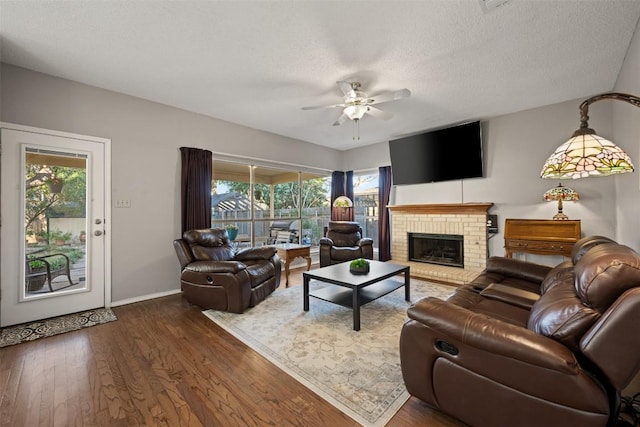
[[348, 191], [337, 190], [196, 188], [384, 228]]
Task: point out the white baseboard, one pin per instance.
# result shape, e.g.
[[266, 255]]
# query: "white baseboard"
[[145, 297]]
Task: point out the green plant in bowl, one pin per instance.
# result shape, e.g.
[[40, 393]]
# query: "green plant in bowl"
[[359, 266], [232, 231]]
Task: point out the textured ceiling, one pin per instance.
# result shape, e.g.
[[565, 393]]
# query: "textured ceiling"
[[256, 63]]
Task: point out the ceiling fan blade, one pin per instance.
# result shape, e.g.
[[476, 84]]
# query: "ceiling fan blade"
[[346, 89], [390, 96], [375, 112], [317, 107], [343, 118]]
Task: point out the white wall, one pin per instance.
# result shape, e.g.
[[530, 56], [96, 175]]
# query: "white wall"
[[146, 137], [626, 125]]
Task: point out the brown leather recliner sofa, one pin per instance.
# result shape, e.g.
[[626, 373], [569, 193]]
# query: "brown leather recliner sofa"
[[344, 242], [531, 345], [215, 277]]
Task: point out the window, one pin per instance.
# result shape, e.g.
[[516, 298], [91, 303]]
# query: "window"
[[365, 193], [270, 204]]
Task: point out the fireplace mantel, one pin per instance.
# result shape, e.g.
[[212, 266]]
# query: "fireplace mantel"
[[444, 208]]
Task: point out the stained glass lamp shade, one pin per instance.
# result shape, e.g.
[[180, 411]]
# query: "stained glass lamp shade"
[[342, 202], [561, 193], [342, 209], [587, 154]]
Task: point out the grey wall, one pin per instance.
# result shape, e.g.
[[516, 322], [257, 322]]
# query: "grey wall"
[[626, 125], [145, 137], [146, 164], [515, 148]]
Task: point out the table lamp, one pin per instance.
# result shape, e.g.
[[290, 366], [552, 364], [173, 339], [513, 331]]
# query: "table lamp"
[[561, 193]]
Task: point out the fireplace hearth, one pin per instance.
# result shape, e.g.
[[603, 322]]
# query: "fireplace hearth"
[[440, 249]]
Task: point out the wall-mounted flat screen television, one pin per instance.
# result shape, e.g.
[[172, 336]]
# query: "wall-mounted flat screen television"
[[440, 155]]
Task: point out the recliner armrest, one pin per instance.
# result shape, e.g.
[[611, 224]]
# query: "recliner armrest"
[[518, 268], [183, 252], [510, 295], [493, 336], [325, 241], [262, 252], [232, 267], [365, 241]]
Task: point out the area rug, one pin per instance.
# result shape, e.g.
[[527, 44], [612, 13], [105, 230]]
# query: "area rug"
[[357, 372], [57, 325]]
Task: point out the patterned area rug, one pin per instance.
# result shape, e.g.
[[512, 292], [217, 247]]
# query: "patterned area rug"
[[54, 326], [357, 372]]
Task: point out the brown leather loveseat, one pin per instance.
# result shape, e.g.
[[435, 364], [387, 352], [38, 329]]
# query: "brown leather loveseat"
[[214, 276], [531, 345]]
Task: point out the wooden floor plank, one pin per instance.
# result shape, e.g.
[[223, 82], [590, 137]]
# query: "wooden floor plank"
[[163, 363]]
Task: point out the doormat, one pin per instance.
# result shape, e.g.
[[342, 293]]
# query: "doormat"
[[57, 325]]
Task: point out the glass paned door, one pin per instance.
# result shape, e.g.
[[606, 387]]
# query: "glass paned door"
[[55, 217], [53, 242]]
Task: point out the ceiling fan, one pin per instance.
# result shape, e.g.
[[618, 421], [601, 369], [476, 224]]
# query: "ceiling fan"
[[357, 103]]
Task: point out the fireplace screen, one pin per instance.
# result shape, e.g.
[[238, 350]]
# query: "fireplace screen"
[[442, 249]]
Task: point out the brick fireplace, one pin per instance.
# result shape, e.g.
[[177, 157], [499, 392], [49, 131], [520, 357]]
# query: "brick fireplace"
[[468, 220]]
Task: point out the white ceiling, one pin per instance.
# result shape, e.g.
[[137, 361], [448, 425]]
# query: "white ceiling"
[[256, 63]]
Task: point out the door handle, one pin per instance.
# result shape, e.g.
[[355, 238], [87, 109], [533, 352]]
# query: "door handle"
[[97, 233]]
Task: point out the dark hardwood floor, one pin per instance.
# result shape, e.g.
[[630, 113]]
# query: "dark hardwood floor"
[[163, 364]]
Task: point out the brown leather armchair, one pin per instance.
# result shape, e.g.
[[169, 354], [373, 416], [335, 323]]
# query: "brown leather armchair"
[[344, 242], [214, 276], [530, 349]]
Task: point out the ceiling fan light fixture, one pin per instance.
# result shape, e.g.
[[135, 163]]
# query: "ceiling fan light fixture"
[[355, 112]]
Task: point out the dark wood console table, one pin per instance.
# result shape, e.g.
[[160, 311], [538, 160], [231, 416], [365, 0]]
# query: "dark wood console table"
[[540, 236]]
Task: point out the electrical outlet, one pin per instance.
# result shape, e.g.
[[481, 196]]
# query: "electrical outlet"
[[123, 203]]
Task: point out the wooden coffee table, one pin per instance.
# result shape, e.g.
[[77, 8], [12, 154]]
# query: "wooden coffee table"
[[290, 251], [353, 291]]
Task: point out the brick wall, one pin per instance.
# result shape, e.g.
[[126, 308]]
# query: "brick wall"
[[471, 225]]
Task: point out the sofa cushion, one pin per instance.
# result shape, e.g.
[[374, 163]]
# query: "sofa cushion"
[[257, 253], [564, 269], [511, 272], [344, 233], [561, 315], [558, 274], [604, 273], [345, 254], [211, 244], [510, 295], [585, 244], [468, 297], [260, 272]]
